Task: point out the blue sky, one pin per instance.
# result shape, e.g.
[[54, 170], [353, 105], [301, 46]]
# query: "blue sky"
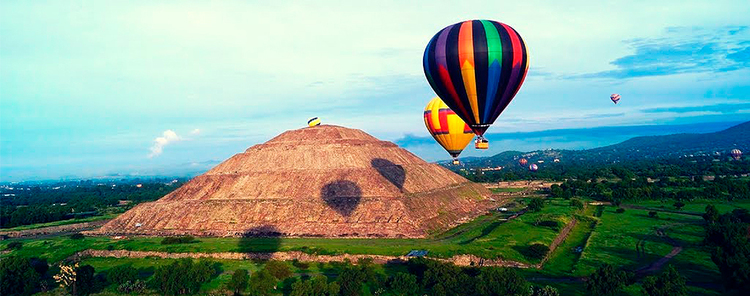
[[89, 88]]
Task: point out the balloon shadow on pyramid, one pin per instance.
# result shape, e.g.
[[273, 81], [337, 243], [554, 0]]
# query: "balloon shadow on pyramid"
[[390, 171], [343, 196]]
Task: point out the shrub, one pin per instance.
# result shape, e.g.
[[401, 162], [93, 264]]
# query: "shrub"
[[536, 204], [77, 235], [173, 240], [278, 269], [620, 210], [300, 265], [128, 287], [653, 214]]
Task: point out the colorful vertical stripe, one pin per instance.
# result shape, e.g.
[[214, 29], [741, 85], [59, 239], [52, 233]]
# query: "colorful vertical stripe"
[[448, 129], [476, 67]]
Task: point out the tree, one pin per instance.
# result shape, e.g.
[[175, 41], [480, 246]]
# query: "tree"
[[668, 283], [239, 281], [556, 191], [262, 283], [576, 203], [403, 284], [17, 276], [678, 205], [351, 282], [711, 215], [606, 281], [317, 286], [278, 269], [182, 276], [545, 291], [84, 283], [731, 251], [536, 204], [502, 281], [121, 274]]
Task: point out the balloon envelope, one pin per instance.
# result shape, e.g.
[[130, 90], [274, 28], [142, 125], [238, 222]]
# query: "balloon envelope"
[[476, 67], [523, 161], [313, 121], [615, 98], [736, 154], [533, 167], [446, 127]]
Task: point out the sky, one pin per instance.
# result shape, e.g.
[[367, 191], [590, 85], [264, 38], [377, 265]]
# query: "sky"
[[90, 88]]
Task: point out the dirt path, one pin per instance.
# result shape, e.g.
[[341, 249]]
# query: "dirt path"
[[657, 265], [460, 260]]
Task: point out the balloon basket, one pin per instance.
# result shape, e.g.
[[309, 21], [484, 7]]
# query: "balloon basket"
[[481, 143]]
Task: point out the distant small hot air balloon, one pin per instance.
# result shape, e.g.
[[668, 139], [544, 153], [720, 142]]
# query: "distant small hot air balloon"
[[447, 128], [523, 162], [736, 154], [615, 98], [313, 121], [533, 167]]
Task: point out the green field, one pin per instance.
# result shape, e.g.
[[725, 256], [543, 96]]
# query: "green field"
[[628, 240]]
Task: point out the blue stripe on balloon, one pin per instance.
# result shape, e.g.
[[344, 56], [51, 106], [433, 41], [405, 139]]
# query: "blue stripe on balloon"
[[493, 76]]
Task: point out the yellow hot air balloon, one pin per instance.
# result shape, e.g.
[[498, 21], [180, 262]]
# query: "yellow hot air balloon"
[[449, 130], [313, 122]]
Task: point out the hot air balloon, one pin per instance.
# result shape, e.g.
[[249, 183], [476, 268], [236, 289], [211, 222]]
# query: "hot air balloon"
[[447, 128], [313, 121], [476, 67], [533, 167], [615, 98], [736, 154], [523, 162]]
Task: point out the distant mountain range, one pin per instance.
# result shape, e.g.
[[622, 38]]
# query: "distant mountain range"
[[717, 144]]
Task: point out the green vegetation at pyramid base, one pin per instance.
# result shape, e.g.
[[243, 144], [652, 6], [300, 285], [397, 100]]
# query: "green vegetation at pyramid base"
[[487, 236], [508, 189]]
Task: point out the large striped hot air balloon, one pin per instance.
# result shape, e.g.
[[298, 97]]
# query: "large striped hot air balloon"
[[615, 98], [736, 154], [523, 162], [476, 67], [447, 128], [533, 167]]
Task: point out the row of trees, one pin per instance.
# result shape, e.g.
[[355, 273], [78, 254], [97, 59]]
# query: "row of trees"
[[41, 204], [587, 170], [727, 236], [641, 189]]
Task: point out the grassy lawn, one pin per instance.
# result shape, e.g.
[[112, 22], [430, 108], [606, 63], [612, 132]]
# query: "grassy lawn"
[[58, 223], [698, 206], [509, 189], [487, 236]]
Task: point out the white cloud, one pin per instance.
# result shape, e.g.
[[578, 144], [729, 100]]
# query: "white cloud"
[[195, 131], [167, 137]]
